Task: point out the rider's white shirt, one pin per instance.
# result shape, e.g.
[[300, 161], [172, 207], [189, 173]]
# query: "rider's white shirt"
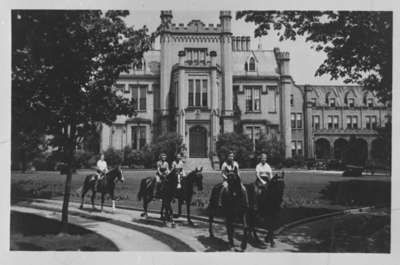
[[102, 165], [264, 170]]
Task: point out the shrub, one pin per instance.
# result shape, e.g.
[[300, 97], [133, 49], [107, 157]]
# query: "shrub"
[[239, 144], [169, 143], [85, 159], [133, 158], [113, 157], [273, 147]]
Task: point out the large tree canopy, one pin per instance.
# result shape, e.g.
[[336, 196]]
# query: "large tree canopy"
[[358, 44], [64, 64]]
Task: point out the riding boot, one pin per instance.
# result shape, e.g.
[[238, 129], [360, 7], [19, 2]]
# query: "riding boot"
[[221, 192]]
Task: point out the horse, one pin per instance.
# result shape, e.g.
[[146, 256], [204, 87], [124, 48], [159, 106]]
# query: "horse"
[[167, 193], [104, 186], [232, 207], [185, 194], [269, 205]]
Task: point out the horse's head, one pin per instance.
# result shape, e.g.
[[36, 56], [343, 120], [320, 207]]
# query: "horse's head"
[[198, 178], [116, 174], [234, 183]]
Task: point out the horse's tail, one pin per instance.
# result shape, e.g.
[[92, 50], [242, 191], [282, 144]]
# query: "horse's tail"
[[142, 189]]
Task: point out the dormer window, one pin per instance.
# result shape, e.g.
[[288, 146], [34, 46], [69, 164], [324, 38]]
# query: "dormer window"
[[370, 102], [332, 102], [252, 64], [350, 102], [246, 66]]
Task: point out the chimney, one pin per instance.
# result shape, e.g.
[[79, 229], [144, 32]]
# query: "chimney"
[[225, 18], [166, 18]]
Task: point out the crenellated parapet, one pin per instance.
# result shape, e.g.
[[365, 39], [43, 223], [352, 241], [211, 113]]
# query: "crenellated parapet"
[[195, 26]]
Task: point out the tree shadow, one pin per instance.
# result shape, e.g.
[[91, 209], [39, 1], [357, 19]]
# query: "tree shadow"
[[358, 193]]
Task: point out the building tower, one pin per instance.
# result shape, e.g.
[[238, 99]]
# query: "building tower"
[[165, 62], [286, 88], [226, 65]]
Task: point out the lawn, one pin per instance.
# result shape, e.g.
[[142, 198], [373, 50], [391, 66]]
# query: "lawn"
[[32, 232], [306, 194]]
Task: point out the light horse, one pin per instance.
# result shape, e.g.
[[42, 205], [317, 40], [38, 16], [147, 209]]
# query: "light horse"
[[105, 186]]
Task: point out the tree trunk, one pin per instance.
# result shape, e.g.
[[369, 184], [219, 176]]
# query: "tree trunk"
[[70, 151]]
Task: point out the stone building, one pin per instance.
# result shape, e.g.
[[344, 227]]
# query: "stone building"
[[203, 81]]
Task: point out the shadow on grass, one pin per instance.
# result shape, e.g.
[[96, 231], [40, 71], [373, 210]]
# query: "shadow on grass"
[[32, 232], [357, 193]]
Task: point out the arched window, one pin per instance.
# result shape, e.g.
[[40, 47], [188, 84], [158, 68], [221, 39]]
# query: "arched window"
[[246, 67], [252, 64]]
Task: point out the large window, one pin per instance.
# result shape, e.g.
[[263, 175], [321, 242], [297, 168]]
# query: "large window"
[[316, 122], [138, 137], [352, 122], [297, 148], [254, 133], [196, 55], [296, 120], [333, 122], [198, 93], [252, 99], [139, 96]]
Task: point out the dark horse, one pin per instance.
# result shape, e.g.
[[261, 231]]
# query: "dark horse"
[[104, 186], [167, 193], [269, 202], [185, 194], [232, 208]]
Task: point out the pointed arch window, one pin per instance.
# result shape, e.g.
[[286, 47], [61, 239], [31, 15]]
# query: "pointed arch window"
[[252, 64]]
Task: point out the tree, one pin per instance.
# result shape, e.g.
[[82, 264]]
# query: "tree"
[[240, 144], [64, 64], [358, 44], [273, 147]]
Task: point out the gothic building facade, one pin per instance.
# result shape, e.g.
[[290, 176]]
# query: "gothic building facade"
[[203, 81]]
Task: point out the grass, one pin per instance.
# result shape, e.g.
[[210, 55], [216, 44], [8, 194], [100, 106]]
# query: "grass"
[[306, 194], [31, 232]]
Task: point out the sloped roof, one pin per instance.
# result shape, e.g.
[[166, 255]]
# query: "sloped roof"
[[265, 60]]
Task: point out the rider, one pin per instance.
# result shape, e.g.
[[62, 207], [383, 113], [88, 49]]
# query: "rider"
[[228, 167], [162, 172], [264, 175], [178, 165], [102, 168]]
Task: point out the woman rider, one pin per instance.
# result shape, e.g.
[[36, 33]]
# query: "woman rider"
[[228, 167], [264, 175], [162, 172], [178, 165]]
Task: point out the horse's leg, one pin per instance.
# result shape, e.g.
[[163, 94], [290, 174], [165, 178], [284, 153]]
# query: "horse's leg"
[[179, 208], [243, 245], [102, 200], [188, 201], [84, 190], [146, 201], [210, 220], [92, 198], [112, 199], [230, 231]]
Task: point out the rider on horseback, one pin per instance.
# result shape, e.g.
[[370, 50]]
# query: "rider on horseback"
[[264, 175], [228, 167], [101, 169], [178, 165], [162, 172]]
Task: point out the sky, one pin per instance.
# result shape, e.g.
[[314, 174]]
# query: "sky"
[[303, 63]]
